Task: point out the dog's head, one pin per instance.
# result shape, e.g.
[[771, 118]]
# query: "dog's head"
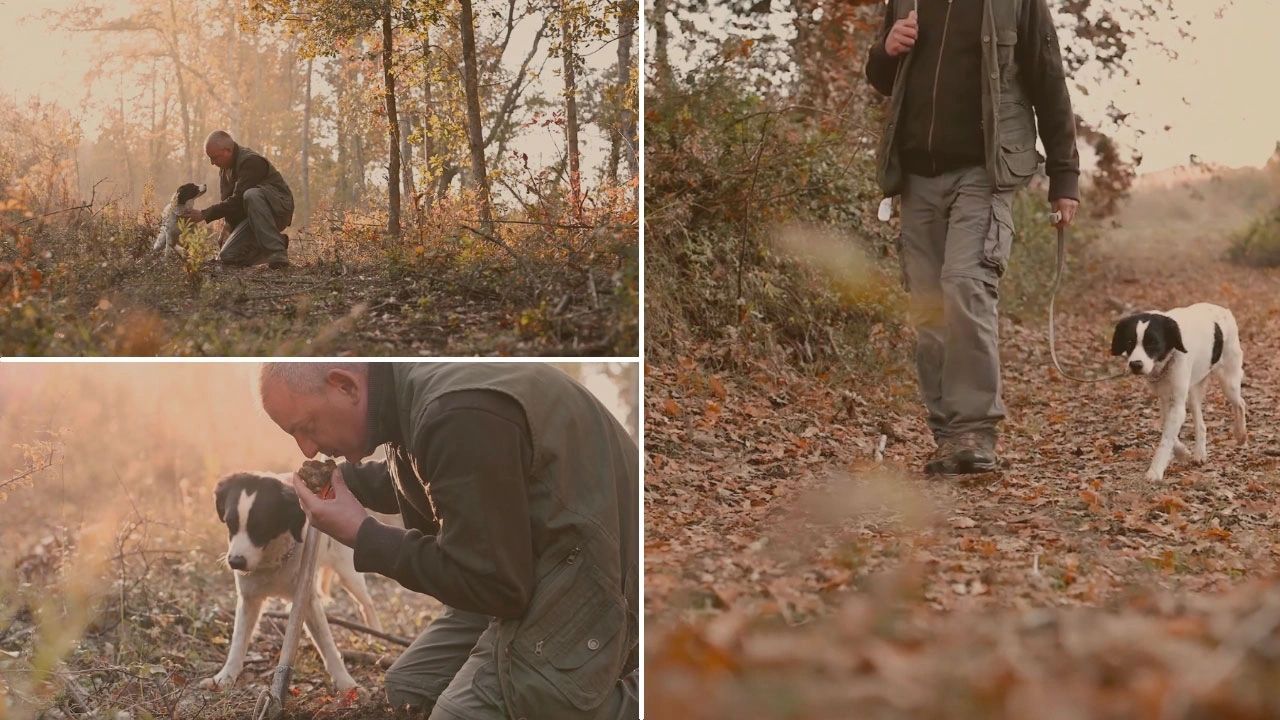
[[188, 192], [258, 510], [1147, 340]]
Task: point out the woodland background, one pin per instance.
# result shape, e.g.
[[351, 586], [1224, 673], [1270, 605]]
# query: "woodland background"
[[480, 158]]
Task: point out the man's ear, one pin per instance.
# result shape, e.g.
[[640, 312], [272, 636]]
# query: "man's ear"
[[220, 496], [344, 382], [1124, 337], [297, 519]]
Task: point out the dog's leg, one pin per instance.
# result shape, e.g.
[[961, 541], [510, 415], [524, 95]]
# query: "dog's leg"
[[1197, 418], [1180, 450], [322, 638], [1174, 417], [248, 610], [355, 584], [1230, 377]]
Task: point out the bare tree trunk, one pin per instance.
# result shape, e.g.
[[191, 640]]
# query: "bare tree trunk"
[[406, 159], [626, 132], [189, 167], [342, 192], [662, 37], [475, 133], [393, 125], [428, 142], [570, 107], [306, 147]]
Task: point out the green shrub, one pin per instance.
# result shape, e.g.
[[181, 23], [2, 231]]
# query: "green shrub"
[[1258, 244]]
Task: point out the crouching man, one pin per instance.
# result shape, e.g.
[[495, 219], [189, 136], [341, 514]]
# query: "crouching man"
[[518, 490]]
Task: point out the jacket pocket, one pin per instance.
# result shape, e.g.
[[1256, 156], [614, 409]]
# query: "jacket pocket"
[[575, 639], [1006, 41], [999, 241]]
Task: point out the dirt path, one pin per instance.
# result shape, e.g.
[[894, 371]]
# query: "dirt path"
[[763, 495]]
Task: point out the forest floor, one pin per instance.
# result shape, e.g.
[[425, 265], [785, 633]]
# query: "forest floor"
[[118, 298], [792, 573]]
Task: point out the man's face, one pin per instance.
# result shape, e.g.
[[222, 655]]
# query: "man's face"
[[219, 157], [330, 420]]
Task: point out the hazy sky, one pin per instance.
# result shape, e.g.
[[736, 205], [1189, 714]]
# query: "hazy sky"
[[1217, 95], [35, 61]]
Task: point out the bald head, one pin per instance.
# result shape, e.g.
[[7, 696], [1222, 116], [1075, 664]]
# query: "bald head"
[[220, 148], [323, 405], [307, 378]]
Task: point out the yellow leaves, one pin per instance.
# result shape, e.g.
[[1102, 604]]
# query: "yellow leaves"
[[671, 409]]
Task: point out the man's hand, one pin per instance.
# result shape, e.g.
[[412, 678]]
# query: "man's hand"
[[191, 214], [339, 518], [902, 37], [1067, 208]]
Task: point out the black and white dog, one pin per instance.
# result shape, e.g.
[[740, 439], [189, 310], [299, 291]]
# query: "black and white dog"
[[167, 238], [265, 523], [1178, 351]]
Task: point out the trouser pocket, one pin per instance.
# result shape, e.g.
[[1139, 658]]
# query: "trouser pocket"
[[999, 241]]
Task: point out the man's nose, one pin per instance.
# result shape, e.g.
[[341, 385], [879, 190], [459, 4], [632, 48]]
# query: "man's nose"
[[307, 447], [1135, 366]]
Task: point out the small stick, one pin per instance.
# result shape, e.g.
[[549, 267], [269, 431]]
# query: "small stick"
[[396, 639]]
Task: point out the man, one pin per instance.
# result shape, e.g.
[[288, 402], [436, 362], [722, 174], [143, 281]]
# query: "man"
[[518, 490], [256, 206], [964, 78]]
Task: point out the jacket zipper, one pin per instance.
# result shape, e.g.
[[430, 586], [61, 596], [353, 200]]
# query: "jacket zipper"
[[937, 73]]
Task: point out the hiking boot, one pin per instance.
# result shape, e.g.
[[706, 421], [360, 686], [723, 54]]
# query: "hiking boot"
[[976, 453], [278, 261], [942, 461]]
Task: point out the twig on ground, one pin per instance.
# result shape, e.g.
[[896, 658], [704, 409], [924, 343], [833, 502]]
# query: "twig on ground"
[[405, 642]]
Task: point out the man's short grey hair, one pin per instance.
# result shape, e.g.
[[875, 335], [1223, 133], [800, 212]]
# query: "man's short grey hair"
[[305, 377], [219, 140]]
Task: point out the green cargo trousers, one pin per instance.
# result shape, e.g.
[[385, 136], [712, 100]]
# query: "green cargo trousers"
[[957, 232], [450, 673], [257, 238]]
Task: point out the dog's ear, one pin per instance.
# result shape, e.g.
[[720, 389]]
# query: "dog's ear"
[[1172, 333], [220, 496], [293, 511], [1125, 336]]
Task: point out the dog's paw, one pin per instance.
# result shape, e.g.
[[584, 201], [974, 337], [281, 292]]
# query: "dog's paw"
[[1181, 452], [221, 681], [1200, 456], [1153, 476], [345, 682]]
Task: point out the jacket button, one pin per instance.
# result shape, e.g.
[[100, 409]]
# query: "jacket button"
[[986, 38], [993, 76], [593, 644]]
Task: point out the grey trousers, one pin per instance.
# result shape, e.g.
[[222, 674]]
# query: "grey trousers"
[[957, 232], [257, 238], [450, 673]]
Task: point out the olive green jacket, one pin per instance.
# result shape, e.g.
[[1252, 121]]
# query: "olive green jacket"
[[1014, 33], [579, 633]]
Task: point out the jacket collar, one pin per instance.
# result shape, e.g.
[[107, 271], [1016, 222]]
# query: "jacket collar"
[[381, 423]]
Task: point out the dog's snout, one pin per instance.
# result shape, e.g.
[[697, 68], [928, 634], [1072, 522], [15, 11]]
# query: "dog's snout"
[[1135, 367], [237, 562]]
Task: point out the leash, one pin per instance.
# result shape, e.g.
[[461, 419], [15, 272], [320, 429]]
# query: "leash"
[[271, 702], [1055, 218]]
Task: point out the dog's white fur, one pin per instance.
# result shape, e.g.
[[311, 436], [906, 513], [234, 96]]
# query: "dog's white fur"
[[272, 571], [1182, 376], [167, 238]]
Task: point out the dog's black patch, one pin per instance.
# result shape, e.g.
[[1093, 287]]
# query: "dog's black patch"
[[1217, 345], [187, 192], [1162, 337], [275, 507]]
